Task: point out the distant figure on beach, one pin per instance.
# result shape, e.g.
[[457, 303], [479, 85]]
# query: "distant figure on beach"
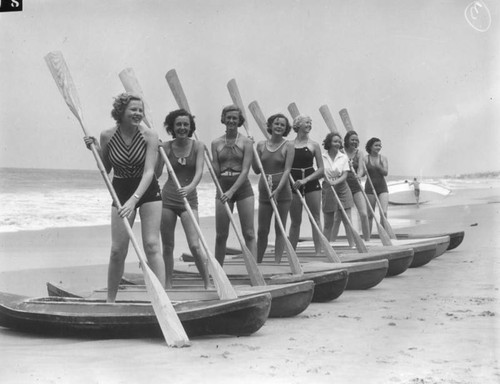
[[351, 143], [186, 157], [131, 150], [416, 190], [336, 170], [306, 180], [232, 156], [276, 155], [377, 168]]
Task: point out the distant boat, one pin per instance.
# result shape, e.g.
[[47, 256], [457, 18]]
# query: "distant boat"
[[401, 193]]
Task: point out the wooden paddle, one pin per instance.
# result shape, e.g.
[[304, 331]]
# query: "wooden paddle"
[[344, 115], [327, 116], [170, 323], [292, 256], [360, 245], [222, 283], [256, 277], [325, 244]]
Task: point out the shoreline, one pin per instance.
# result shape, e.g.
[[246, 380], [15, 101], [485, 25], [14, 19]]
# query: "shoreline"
[[437, 324]]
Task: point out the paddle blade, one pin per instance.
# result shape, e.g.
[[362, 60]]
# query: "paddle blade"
[[328, 117], [170, 324], [131, 85], [176, 88], [344, 115], [259, 117], [236, 97], [60, 72], [294, 111]]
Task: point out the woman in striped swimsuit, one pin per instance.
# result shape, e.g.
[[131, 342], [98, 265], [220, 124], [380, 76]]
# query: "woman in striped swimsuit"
[[306, 180], [131, 150], [232, 157], [276, 155], [186, 157]]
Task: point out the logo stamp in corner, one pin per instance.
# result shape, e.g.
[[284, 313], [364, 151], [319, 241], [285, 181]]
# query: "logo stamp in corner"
[[11, 5]]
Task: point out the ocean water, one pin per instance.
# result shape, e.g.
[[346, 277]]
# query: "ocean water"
[[33, 199]]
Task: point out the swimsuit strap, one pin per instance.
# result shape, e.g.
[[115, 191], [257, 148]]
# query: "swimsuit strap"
[[274, 150]]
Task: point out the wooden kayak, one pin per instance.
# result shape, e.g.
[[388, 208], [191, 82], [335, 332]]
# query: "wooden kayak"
[[287, 299], [424, 249], [362, 275], [456, 238], [328, 285], [402, 193], [98, 319]]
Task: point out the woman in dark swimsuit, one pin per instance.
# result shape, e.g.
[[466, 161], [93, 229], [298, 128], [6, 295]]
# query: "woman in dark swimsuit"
[[186, 157], [377, 167], [131, 150], [306, 180], [351, 143], [276, 155], [232, 156]]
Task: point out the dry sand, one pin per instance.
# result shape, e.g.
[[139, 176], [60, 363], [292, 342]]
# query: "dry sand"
[[434, 324]]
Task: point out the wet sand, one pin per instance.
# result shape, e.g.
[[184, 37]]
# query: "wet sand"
[[433, 324]]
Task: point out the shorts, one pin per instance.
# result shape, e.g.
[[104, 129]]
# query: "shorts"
[[329, 202], [245, 190], [125, 188], [284, 195], [302, 173], [172, 200]]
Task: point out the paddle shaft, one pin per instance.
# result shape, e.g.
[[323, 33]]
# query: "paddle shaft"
[[256, 277], [223, 285], [292, 256], [168, 320], [346, 120]]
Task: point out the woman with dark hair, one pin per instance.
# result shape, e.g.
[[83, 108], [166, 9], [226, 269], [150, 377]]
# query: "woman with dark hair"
[[336, 169], [186, 157], [232, 156], [351, 143], [306, 180], [276, 155], [377, 167], [131, 150]]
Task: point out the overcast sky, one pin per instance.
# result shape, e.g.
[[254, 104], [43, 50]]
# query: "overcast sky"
[[415, 74]]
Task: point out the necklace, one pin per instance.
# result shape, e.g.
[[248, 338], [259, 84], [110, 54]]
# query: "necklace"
[[274, 149]]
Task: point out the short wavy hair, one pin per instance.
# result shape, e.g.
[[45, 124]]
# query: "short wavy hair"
[[347, 137], [232, 108], [369, 144], [270, 122], [299, 120], [327, 143], [170, 121], [120, 104]]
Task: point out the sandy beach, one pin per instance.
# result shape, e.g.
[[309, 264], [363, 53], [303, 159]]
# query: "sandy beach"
[[433, 324]]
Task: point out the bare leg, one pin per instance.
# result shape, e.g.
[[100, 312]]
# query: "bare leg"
[[168, 222], [246, 211], [264, 225], [384, 202], [349, 234], [295, 220], [360, 202], [373, 203], [221, 231], [150, 228], [313, 201], [328, 218], [194, 245], [119, 248], [283, 209]]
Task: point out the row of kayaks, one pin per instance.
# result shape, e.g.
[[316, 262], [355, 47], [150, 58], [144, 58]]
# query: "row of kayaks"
[[68, 311]]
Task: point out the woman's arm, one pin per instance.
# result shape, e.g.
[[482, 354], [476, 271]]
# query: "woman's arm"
[[160, 163], [384, 165], [200, 148], [290, 154], [255, 165]]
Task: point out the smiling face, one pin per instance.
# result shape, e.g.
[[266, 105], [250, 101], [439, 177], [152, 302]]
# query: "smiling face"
[[336, 143], [278, 126], [134, 113], [305, 126], [353, 141], [376, 147], [182, 127], [231, 120]]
